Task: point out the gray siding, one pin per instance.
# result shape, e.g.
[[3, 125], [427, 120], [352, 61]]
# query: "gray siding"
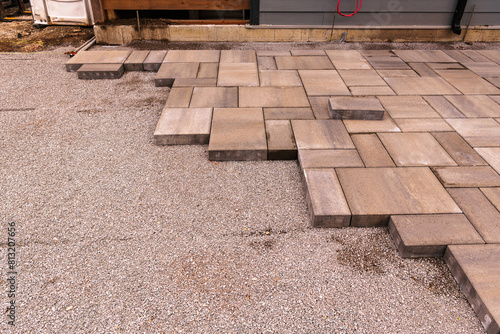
[[377, 12]]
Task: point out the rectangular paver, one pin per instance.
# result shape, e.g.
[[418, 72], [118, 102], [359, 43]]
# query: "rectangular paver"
[[371, 90], [387, 124], [321, 134], [96, 57], [217, 97], [183, 126], [208, 70], [443, 107], [195, 82], [266, 63], [273, 97], [477, 132], [372, 151], [168, 72], [423, 70], [348, 60], [238, 74], [421, 86], [179, 97], [280, 140], [154, 60], [135, 60], [329, 158], [467, 176], [303, 63], [238, 56], [408, 107], [365, 108], [493, 194], [361, 78], [100, 71], [475, 106], [323, 82], [424, 56], [467, 82], [492, 156], [192, 56], [279, 78], [422, 124], [458, 149], [288, 113]]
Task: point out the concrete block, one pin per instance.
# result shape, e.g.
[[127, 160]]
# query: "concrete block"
[[100, 71], [280, 140], [135, 61], [154, 60], [183, 126], [168, 72]]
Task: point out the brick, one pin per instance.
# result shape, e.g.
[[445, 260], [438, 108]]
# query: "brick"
[[280, 140], [321, 134], [217, 97], [372, 151], [364, 108], [458, 149], [467, 176], [135, 61], [323, 82], [329, 158], [183, 126], [100, 71], [154, 60]]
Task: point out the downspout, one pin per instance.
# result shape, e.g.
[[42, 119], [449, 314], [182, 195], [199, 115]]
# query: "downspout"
[[457, 17]]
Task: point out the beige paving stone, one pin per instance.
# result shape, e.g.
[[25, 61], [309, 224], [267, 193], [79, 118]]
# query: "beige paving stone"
[[279, 78], [493, 55], [321, 134], [183, 126], [458, 149], [444, 66], [97, 57], [443, 107], [238, 134], [168, 72], [325, 199], [329, 159], [429, 235], [217, 97], [424, 56], [179, 97], [491, 155], [371, 150], [303, 63], [397, 73], [273, 97], [422, 124], [480, 212], [467, 176], [365, 108], [408, 107], [208, 70], [154, 60], [288, 113], [457, 55], [494, 80], [474, 106], [495, 98], [475, 55], [387, 124], [238, 74], [421, 86], [478, 132], [493, 194], [371, 90], [195, 82], [319, 105], [415, 149], [272, 53], [386, 62], [484, 69], [361, 78], [374, 194], [323, 82], [192, 56], [280, 140], [423, 70], [308, 53], [476, 269], [135, 60], [348, 60], [267, 63], [238, 56], [467, 82]]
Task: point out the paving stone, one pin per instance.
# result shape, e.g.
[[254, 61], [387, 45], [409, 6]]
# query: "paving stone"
[[475, 55], [348, 60], [273, 97], [96, 57], [267, 63], [319, 105], [325, 199], [329, 159], [477, 269], [467, 82], [168, 72], [457, 55], [444, 66], [415, 149], [280, 140], [100, 71], [371, 90], [494, 80], [217, 97], [484, 69], [492, 156], [179, 97], [429, 235], [135, 61], [421, 86], [495, 98], [195, 82], [493, 55], [389, 62], [238, 134], [458, 149], [303, 63], [474, 106], [477, 132], [154, 60], [308, 53], [467, 176], [272, 53], [279, 78], [480, 212], [365, 108], [372, 151], [208, 70], [192, 56], [361, 78], [238, 74], [422, 124], [493, 194], [183, 126], [323, 82], [288, 113], [443, 107], [424, 56], [423, 70], [374, 194], [238, 56], [387, 124], [408, 107], [397, 73], [321, 134]]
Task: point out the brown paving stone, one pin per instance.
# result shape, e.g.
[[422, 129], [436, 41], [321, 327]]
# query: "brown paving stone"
[[279, 78], [484, 69], [444, 66], [494, 80], [361, 78], [267, 63], [321, 134], [238, 134], [348, 60], [183, 126], [192, 82], [458, 149], [100, 71], [481, 213], [280, 140], [272, 53], [135, 61], [154, 60], [423, 70], [474, 55], [365, 108], [429, 235], [273, 97], [371, 90], [208, 70], [424, 56], [385, 61], [319, 105], [493, 194], [457, 55], [477, 132], [303, 63], [397, 73], [467, 82], [495, 98], [329, 158], [387, 124], [323, 82], [467, 176], [192, 56], [422, 124], [492, 156], [408, 107], [238, 74], [179, 97], [308, 53], [217, 97], [372, 151], [96, 57], [443, 107], [493, 55], [238, 56], [415, 149], [421, 86], [168, 72], [288, 113], [477, 269], [475, 105], [325, 199], [374, 194]]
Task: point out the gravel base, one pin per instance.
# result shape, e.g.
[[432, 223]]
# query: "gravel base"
[[116, 234]]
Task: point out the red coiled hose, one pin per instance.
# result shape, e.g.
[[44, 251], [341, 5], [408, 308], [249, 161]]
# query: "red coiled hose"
[[359, 3]]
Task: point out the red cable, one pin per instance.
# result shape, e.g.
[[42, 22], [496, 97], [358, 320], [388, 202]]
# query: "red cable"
[[359, 3]]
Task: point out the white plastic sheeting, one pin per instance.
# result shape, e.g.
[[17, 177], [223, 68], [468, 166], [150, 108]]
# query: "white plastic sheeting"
[[63, 12]]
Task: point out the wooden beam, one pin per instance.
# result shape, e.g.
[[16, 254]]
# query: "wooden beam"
[[176, 4]]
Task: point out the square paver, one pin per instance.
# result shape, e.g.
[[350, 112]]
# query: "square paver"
[[135, 61], [280, 140], [217, 97], [474, 106], [96, 57], [100, 71], [238, 134], [458, 149], [279, 78], [477, 132], [273, 97], [387, 124], [421, 86], [348, 60], [365, 108], [467, 176], [154, 60], [429, 235], [408, 107], [424, 56], [303, 63], [238, 74], [168, 72], [422, 124], [415, 149], [321, 134], [183, 126], [323, 82], [192, 56], [288, 113], [372, 151], [492, 156], [329, 158], [467, 82]]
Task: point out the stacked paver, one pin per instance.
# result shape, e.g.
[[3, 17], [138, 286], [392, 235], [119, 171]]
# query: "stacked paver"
[[408, 139]]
